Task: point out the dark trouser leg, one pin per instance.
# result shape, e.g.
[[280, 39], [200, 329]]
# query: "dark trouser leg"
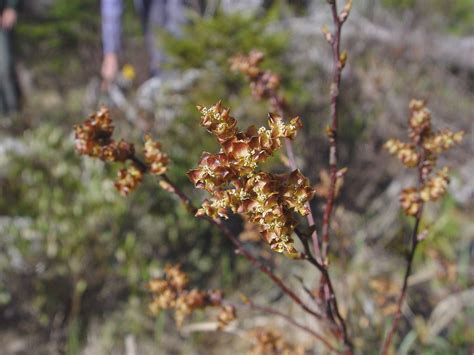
[[175, 16], [156, 21], [8, 93], [161, 14]]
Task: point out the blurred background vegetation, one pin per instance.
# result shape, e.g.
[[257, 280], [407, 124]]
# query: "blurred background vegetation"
[[75, 255]]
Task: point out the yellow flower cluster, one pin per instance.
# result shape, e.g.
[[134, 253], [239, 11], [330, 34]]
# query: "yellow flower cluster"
[[231, 178], [172, 293], [422, 152], [94, 138]]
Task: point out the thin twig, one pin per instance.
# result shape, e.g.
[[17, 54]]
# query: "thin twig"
[[333, 154], [305, 288], [290, 320], [410, 257], [401, 298], [279, 282], [307, 251], [279, 106], [240, 248], [172, 188], [328, 290]]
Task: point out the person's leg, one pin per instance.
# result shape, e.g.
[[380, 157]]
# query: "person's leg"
[[3, 70], [156, 19], [8, 91], [174, 16], [139, 7]]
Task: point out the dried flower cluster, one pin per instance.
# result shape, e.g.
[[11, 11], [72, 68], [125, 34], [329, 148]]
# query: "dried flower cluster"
[[423, 152], [172, 293], [232, 179], [263, 83], [154, 157], [94, 138], [271, 342], [128, 179]]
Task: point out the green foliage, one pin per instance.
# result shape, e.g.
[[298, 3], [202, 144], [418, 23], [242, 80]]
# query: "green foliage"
[[458, 14], [63, 24], [71, 238], [61, 213], [208, 44], [218, 38], [399, 4]]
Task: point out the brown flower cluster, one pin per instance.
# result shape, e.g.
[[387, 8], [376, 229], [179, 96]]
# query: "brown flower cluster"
[[128, 179], [404, 151], [271, 342], [172, 293], [435, 186], [422, 152], [94, 138], [232, 179], [154, 157], [263, 83]]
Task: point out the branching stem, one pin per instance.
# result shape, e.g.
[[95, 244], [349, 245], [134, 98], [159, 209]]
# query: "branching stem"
[[240, 249], [333, 130], [410, 257], [401, 297], [295, 323], [279, 106], [334, 40]]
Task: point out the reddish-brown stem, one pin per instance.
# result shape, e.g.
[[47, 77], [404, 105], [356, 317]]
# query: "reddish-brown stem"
[[263, 268], [410, 258], [308, 255], [332, 300], [240, 248], [278, 104], [141, 165], [328, 289], [401, 298], [333, 155], [290, 154], [290, 320]]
